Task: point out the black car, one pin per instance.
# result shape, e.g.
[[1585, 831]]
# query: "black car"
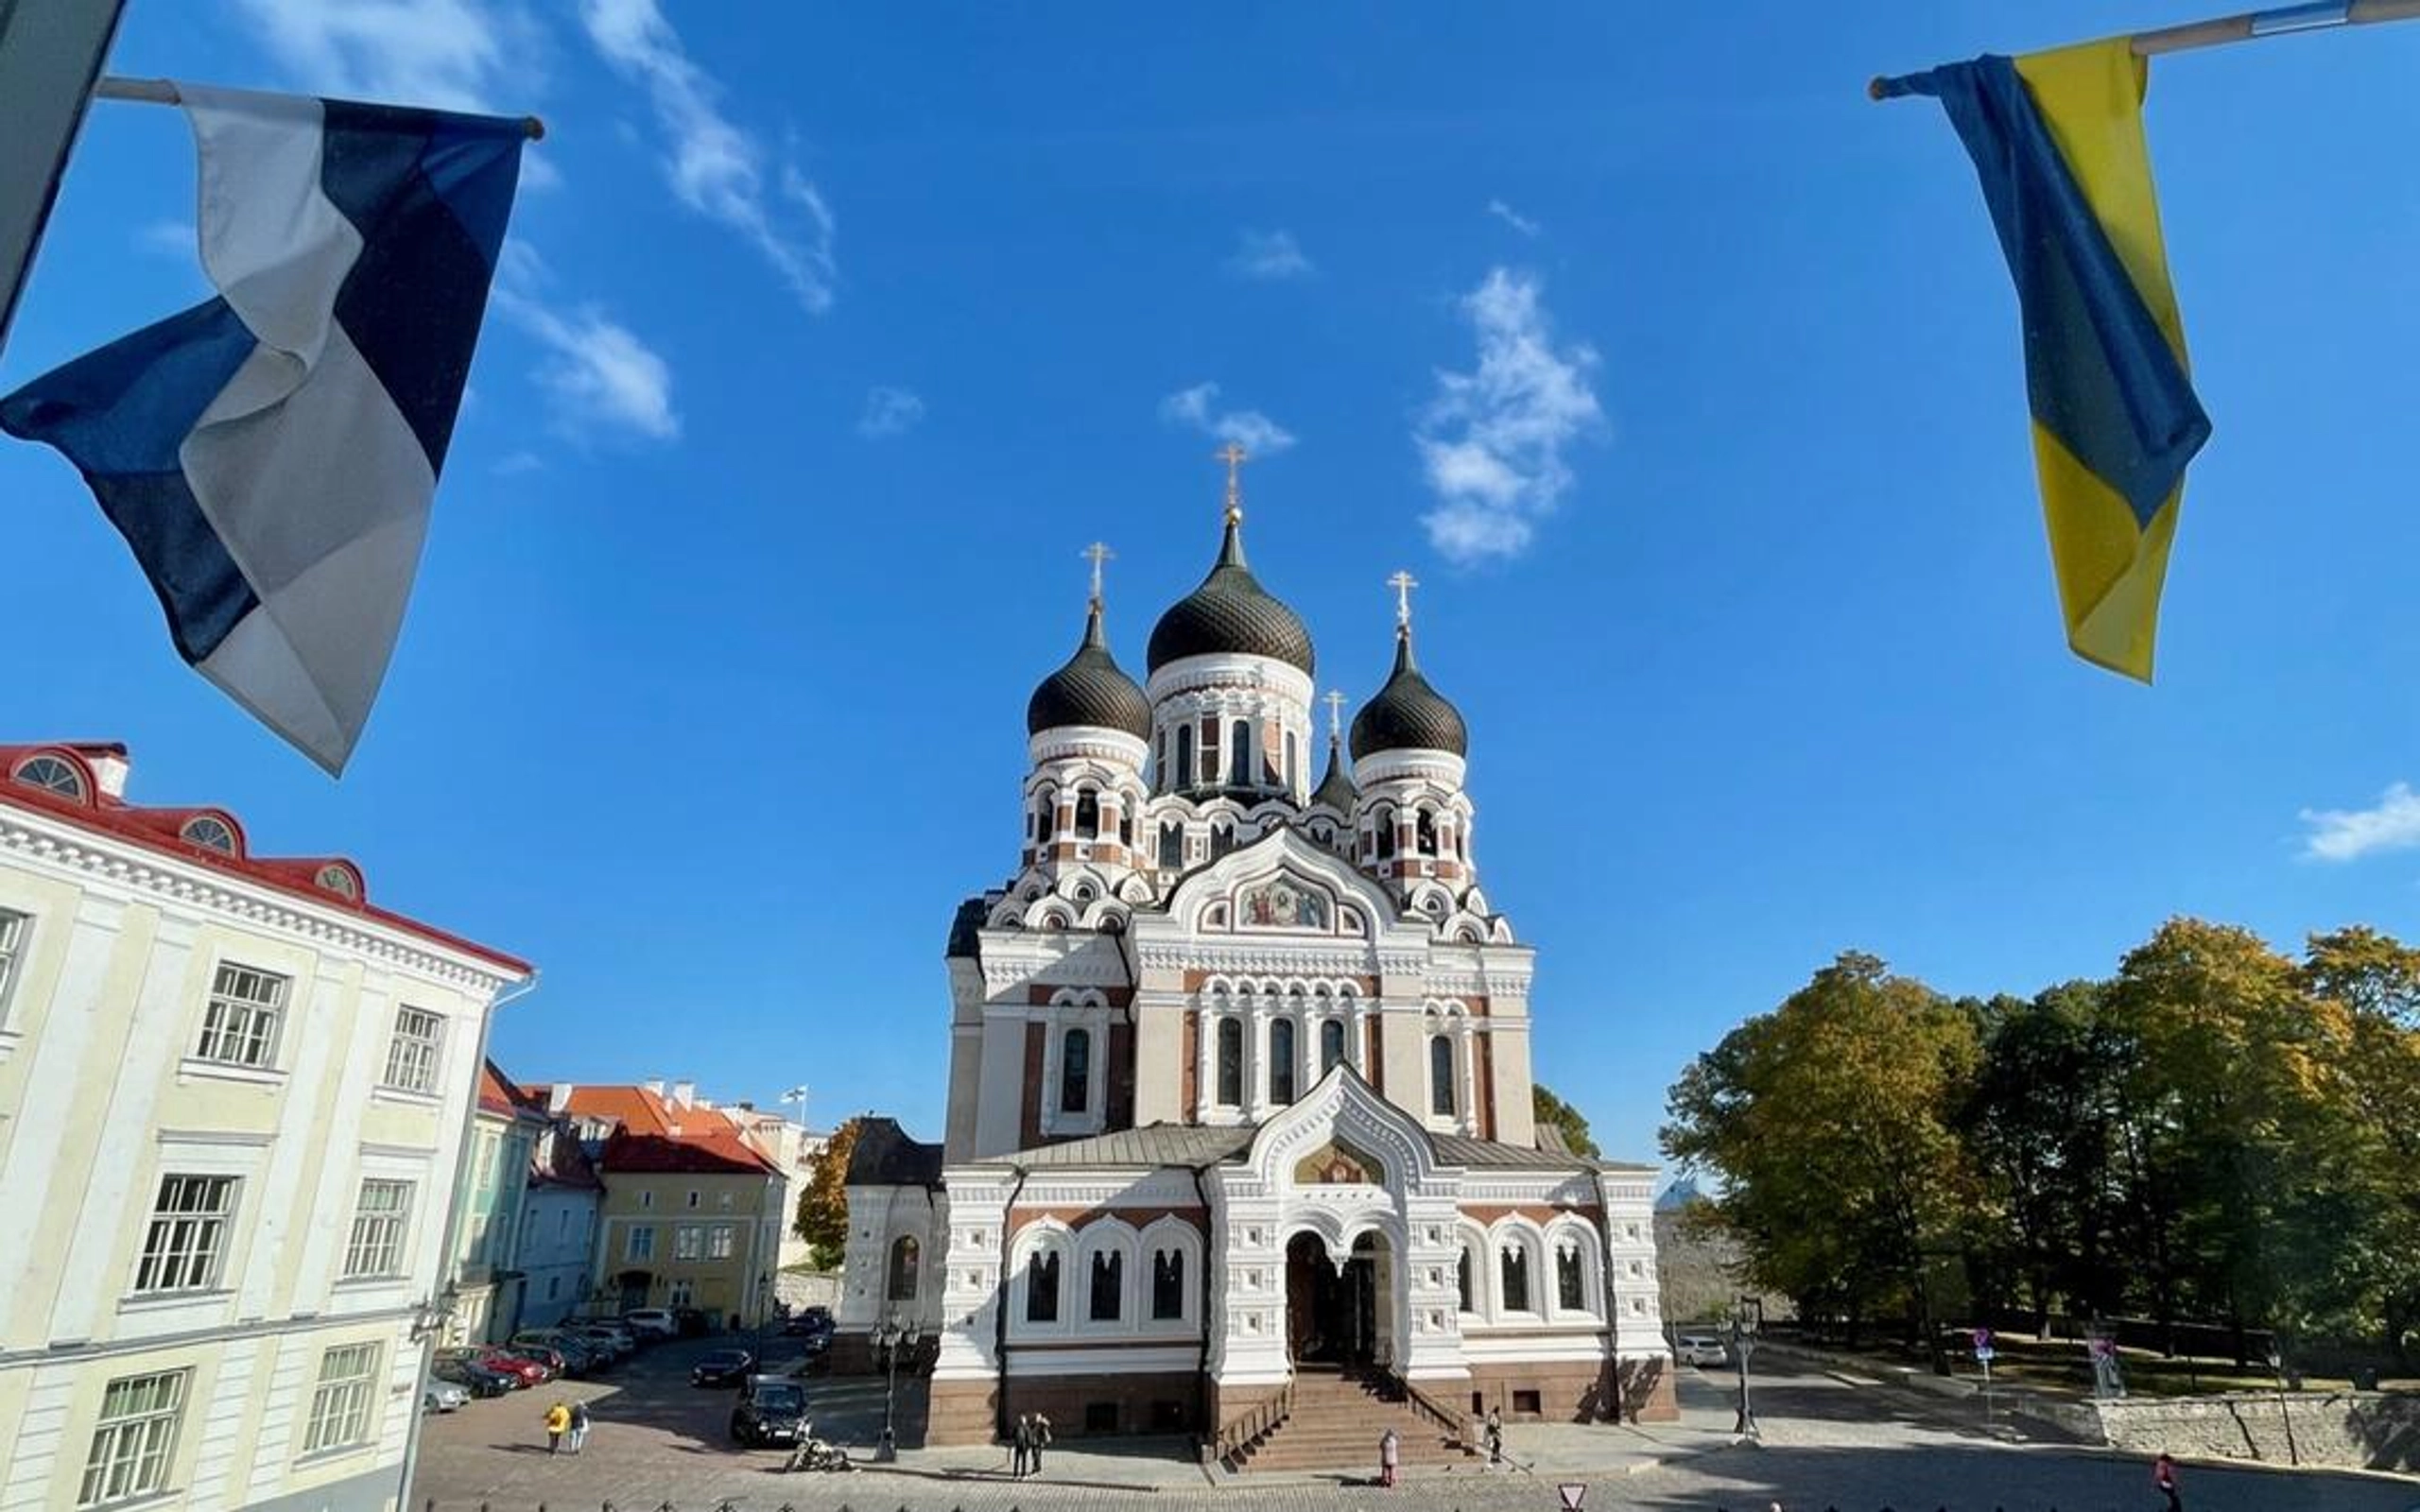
[[722, 1368], [809, 1322], [770, 1410], [476, 1379]]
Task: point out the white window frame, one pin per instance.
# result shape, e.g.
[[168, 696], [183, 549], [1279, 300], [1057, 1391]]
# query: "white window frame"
[[1074, 1009], [343, 1401], [379, 1246], [184, 1247], [720, 1241], [239, 1029], [1168, 1235], [414, 1060], [14, 928], [639, 1242], [1043, 1237], [1581, 1240], [689, 1241], [133, 1451]]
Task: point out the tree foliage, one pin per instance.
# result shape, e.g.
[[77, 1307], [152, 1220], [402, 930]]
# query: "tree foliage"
[[822, 1217], [1552, 1109]]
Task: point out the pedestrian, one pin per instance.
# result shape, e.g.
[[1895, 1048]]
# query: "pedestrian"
[[2164, 1478], [558, 1423], [1390, 1449], [1041, 1438], [1494, 1436], [1023, 1440], [579, 1425]]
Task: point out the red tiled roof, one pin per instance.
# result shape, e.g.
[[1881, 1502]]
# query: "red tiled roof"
[[703, 1155], [159, 829], [634, 1108], [498, 1094]]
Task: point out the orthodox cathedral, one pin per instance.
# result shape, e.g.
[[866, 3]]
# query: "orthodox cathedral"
[[1239, 1128]]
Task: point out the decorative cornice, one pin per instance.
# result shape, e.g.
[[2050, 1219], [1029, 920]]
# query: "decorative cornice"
[[1086, 743]]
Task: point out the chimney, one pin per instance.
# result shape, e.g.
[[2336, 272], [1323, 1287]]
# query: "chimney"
[[654, 1085], [559, 1097], [108, 766], [685, 1093]]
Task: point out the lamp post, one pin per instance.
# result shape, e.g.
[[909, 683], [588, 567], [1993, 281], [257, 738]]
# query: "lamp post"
[[764, 1301], [889, 1337], [1744, 1324]]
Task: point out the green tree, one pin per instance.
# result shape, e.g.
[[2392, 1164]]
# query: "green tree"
[[2368, 983], [822, 1217], [1554, 1110], [1830, 1123]]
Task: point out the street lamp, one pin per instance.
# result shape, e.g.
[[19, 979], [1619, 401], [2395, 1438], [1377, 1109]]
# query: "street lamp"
[[431, 1316], [889, 1337], [1744, 1324], [764, 1298]]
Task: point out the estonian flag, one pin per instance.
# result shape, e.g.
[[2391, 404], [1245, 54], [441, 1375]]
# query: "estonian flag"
[[270, 453], [2057, 139]]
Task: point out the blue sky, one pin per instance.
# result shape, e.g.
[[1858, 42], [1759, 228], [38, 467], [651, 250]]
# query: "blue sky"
[[1684, 379]]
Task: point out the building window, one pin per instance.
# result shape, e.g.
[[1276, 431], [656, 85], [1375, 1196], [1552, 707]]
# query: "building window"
[[1514, 1272], [905, 1259], [688, 1242], [1210, 749], [1230, 1062], [1440, 1075], [188, 1233], [1240, 762], [1331, 1044], [340, 1406], [136, 1440], [13, 947], [1293, 765], [1168, 1285], [1281, 1060], [719, 1242], [1184, 756], [338, 877], [554, 1287], [240, 1025], [1386, 836], [1462, 1280], [1109, 1286], [1088, 815], [1567, 1293], [1223, 839], [210, 833], [377, 1247], [641, 1243], [411, 1056], [1171, 845], [52, 775], [1075, 1070], [680, 1294], [693, 1196], [646, 1199], [1041, 1287]]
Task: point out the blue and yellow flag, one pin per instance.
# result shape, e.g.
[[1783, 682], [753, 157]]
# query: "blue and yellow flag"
[[2057, 139]]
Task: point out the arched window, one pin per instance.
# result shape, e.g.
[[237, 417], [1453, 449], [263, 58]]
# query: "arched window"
[[1240, 762], [1568, 1292], [1331, 1044], [1386, 835], [1109, 1286], [51, 774], [1184, 756], [1126, 826], [1045, 811], [211, 832], [1223, 839], [1281, 1060], [1041, 1287], [1427, 831], [1293, 765], [1075, 1070], [1230, 1062], [1171, 845], [1088, 813], [1462, 1279], [904, 1261], [1514, 1270], [1441, 1075], [1168, 1285]]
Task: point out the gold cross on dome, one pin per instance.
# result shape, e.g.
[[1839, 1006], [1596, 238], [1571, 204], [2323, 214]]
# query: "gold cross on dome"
[[1096, 552], [1234, 456], [1403, 583], [1335, 702]]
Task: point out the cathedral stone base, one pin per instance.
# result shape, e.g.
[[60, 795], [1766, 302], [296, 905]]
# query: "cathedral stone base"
[[1094, 1406], [962, 1412], [1572, 1392]]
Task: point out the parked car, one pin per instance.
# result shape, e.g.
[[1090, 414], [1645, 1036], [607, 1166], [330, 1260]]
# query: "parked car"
[[611, 1345], [442, 1396], [722, 1368], [652, 1323], [572, 1355], [770, 1410], [1703, 1348], [532, 1372], [691, 1322], [558, 1361], [808, 1322], [460, 1370]]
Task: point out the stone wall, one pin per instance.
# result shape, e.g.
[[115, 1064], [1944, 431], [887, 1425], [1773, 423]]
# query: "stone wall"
[[2368, 1430]]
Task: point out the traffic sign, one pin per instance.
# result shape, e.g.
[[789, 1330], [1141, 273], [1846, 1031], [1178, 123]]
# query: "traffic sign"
[[1982, 1340], [1571, 1491], [1985, 1353]]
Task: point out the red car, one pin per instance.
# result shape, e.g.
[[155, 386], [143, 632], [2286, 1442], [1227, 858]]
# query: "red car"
[[521, 1372]]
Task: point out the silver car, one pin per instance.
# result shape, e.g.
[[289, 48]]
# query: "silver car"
[[442, 1395], [1703, 1348]]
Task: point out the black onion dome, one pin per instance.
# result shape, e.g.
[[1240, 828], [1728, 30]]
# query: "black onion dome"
[[1336, 789], [1231, 613], [1090, 689], [1407, 713]]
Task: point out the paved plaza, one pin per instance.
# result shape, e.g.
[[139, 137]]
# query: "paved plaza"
[[1826, 1442]]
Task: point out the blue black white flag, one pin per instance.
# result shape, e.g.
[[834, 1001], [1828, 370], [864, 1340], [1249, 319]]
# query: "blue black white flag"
[[270, 453]]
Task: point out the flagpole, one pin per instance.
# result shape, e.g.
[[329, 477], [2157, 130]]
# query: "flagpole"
[[164, 92], [2250, 25]]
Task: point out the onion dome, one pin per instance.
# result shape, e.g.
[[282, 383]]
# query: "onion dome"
[[1336, 789], [1090, 689], [1230, 613], [1407, 713]]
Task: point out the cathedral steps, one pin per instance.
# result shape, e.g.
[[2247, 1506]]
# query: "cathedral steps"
[[1336, 1422]]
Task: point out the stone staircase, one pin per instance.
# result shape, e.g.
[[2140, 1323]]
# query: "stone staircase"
[[1335, 1424]]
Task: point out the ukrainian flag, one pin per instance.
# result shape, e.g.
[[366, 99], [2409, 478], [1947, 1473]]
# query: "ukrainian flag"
[[2057, 139]]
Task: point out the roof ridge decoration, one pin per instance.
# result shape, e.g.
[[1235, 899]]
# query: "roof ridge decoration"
[[1407, 713], [1089, 688], [1230, 613]]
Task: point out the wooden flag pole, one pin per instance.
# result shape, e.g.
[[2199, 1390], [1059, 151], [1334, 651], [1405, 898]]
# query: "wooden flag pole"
[[2252, 26], [164, 92]]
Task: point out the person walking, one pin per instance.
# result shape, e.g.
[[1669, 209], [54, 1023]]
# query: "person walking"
[[1041, 1438], [1494, 1436], [1023, 1441], [1390, 1450], [2164, 1479], [579, 1425], [557, 1424]]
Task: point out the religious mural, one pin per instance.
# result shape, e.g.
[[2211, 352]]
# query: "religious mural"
[[1284, 903]]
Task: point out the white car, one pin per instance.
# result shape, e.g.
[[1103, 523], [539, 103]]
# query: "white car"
[[442, 1396], [655, 1322], [1703, 1348]]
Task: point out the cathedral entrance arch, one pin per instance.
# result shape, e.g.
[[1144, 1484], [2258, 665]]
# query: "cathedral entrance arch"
[[1337, 1316]]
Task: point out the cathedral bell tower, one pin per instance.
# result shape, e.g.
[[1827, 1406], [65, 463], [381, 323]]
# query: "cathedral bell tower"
[[1086, 726], [1412, 817]]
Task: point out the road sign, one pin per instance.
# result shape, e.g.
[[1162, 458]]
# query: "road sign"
[[1985, 1353], [1982, 1340], [1571, 1491]]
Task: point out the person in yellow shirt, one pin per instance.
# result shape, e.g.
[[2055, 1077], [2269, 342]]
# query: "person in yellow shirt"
[[558, 1423]]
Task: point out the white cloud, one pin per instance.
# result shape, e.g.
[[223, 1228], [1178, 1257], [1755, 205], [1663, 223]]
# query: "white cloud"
[[716, 168], [517, 463], [1492, 441], [604, 377], [889, 412], [1512, 217], [1252, 430], [2347, 834], [168, 238], [1270, 254]]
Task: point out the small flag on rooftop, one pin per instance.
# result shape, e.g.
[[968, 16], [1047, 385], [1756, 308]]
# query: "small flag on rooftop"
[[271, 455]]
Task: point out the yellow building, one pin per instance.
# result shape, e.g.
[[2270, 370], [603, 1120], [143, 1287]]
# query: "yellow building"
[[233, 1094]]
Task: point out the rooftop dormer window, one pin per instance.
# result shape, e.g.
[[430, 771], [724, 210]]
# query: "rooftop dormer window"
[[52, 775], [209, 832], [338, 878]]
